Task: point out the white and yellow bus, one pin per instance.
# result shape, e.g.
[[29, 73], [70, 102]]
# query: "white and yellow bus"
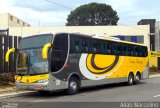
[[47, 62]]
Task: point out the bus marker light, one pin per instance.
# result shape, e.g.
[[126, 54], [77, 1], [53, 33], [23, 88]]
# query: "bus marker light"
[[37, 88], [66, 65]]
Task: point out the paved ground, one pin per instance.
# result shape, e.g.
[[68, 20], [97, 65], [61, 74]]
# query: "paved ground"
[[147, 91]]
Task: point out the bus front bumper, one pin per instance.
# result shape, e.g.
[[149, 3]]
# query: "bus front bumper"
[[33, 86], [45, 86]]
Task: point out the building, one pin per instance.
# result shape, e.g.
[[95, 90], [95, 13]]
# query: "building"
[[152, 23], [157, 36], [139, 33], [8, 20], [17, 27], [154, 61]]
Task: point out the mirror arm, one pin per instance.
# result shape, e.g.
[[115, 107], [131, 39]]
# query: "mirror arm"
[[8, 53], [45, 50]]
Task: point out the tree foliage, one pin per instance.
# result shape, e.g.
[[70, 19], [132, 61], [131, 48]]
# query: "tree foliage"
[[92, 14]]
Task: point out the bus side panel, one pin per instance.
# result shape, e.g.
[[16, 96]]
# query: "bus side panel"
[[86, 83]]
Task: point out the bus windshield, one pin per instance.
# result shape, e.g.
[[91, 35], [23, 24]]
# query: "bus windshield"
[[35, 41], [30, 59]]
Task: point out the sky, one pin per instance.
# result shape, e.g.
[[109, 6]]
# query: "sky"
[[55, 12]]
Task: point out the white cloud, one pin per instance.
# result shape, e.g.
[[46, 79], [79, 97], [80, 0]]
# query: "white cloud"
[[35, 17]]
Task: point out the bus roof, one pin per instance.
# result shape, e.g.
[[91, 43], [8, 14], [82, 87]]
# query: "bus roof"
[[109, 38]]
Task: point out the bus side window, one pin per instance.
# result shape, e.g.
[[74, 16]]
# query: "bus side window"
[[127, 51], [114, 49], [84, 46], [119, 50], [90, 48], [140, 52], [103, 49], [109, 48], [76, 46], [144, 51], [132, 51], [72, 46], [123, 50], [136, 51], [95, 47]]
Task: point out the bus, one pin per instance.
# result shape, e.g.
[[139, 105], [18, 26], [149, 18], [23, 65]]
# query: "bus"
[[70, 61]]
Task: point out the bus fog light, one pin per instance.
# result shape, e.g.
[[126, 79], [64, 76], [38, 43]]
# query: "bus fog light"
[[43, 81]]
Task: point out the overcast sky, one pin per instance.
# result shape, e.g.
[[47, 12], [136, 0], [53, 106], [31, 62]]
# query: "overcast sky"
[[45, 13]]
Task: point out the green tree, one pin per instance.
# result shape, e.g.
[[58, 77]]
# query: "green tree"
[[92, 14]]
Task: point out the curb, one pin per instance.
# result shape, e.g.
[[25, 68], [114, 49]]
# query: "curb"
[[154, 76], [14, 94]]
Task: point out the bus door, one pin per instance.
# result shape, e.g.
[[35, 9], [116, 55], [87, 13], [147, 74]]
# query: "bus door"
[[59, 51]]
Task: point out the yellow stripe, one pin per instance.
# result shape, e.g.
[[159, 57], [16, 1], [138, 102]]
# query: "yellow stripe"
[[31, 79]]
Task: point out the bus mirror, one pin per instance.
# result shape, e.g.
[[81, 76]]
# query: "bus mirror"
[[45, 50], [8, 53]]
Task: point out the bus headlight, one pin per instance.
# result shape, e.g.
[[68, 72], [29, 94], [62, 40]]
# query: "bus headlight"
[[17, 81], [43, 81]]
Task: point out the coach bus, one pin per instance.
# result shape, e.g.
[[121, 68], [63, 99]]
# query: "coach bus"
[[69, 61]]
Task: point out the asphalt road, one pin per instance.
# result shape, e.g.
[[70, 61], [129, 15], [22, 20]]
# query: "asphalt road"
[[147, 91]]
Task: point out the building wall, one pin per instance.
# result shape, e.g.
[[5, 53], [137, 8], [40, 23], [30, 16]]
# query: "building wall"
[[140, 30], [16, 22], [152, 23], [8, 20], [157, 36], [153, 61], [3, 21]]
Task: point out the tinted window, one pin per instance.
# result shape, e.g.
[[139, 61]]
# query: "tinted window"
[[60, 42], [85, 45], [79, 45], [35, 41]]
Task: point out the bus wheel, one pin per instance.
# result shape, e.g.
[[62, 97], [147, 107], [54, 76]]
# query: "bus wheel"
[[130, 79], [73, 86], [137, 78]]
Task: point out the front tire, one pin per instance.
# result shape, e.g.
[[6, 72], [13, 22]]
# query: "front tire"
[[73, 86], [130, 79]]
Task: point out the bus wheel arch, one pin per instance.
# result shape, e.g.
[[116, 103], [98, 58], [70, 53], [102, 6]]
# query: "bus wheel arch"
[[130, 79], [73, 84], [137, 77]]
